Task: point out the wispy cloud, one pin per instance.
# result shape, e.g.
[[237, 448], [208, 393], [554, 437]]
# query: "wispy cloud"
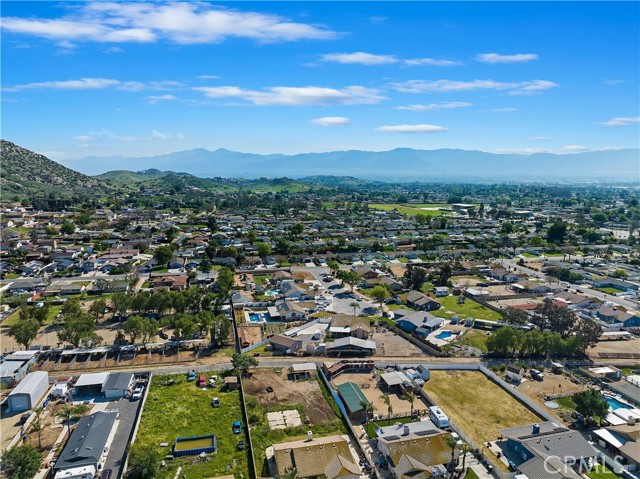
[[541, 138], [443, 86], [575, 148], [208, 77], [296, 96], [621, 121], [412, 128], [109, 136], [444, 105], [504, 110], [177, 22], [331, 121], [153, 99], [369, 59], [498, 58], [96, 84]]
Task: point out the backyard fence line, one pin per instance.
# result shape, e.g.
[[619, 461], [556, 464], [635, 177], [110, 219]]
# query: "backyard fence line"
[[245, 415], [134, 431], [426, 348], [254, 346]]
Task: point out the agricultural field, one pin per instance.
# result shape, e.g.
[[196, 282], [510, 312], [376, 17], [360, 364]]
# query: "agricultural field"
[[310, 398], [406, 209], [470, 307], [182, 409], [478, 406]]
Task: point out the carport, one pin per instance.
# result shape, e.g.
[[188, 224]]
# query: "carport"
[[90, 385]]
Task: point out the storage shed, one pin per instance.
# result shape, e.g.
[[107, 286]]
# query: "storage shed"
[[354, 400], [117, 385], [90, 385], [30, 390]]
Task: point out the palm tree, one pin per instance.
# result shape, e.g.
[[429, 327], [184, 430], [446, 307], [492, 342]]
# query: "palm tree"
[[387, 400], [453, 443], [464, 450], [354, 305], [289, 473], [72, 412], [38, 426], [368, 409], [410, 396]]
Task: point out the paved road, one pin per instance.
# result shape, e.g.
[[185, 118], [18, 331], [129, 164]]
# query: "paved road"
[[586, 289]]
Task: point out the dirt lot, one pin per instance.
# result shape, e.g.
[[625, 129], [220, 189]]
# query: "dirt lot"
[[288, 393], [50, 431], [503, 303], [610, 346], [367, 384], [552, 384], [250, 334], [390, 344]]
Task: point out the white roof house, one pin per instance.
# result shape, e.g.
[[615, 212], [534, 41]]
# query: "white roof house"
[[91, 379]]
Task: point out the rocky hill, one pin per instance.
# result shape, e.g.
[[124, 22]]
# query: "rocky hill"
[[26, 173]]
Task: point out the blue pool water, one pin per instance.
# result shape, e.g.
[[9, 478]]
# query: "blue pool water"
[[259, 317], [444, 335], [615, 404], [272, 292]]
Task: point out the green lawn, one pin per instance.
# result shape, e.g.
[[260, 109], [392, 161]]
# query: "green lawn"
[[610, 290], [471, 308], [528, 255], [14, 317], [475, 338], [11, 275], [602, 471], [182, 409], [409, 209]]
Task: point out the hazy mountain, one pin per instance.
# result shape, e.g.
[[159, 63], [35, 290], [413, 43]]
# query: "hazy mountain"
[[399, 164], [26, 173]]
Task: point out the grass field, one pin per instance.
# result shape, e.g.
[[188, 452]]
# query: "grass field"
[[475, 338], [371, 427], [411, 209], [602, 471], [478, 406], [528, 255], [182, 409], [471, 308], [610, 290], [14, 317]]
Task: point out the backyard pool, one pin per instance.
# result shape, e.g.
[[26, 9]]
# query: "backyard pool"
[[272, 292], [615, 404], [444, 335], [259, 317]]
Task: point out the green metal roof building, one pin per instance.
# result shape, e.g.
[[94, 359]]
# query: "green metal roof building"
[[353, 398]]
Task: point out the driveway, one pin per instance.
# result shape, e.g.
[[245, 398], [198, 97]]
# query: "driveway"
[[126, 421]]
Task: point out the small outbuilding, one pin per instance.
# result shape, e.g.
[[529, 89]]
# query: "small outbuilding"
[[90, 385], [231, 382], [354, 400], [117, 385], [302, 371], [30, 390]]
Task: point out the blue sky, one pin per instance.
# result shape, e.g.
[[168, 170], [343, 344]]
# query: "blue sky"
[[140, 79]]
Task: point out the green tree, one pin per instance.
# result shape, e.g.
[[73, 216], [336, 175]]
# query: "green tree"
[[264, 250], [143, 462], [555, 318], [98, 307], [334, 267], [205, 265], [410, 396], [121, 303], [71, 413], [219, 331], [386, 399], [21, 462], [41, 313], [368, 408], [242, 363], [557, 232], [79, 329], [453, 443], [355, 306], [25, 331], [67, 228], [184, 326], [415, 277], [296, 229], [163, 255], [224, 281], [380, 293], [591, 403], [289, 473], [350, 277], [37, 426]]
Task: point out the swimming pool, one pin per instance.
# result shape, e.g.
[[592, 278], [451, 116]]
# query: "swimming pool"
[[272, 292], [259, 317], [615, 404], [444, 335]]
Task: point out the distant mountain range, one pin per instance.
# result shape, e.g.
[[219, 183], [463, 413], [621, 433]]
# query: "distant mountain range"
[[401, 164]]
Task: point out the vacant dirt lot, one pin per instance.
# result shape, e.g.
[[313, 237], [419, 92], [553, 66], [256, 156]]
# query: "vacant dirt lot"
[[632, 346], [390, 344], [289, 393], [552, 384], [367, 384]]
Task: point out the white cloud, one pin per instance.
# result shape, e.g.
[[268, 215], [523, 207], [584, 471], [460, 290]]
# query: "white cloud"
[[621, 121], [541, 138], [109, 136], [96, 84], [79, 84], [575, 148], [523, 151], [440, 86], [178, 22], [331, 121], [412, 128], [431, 62], [504, 110], [444, 105], [153, 99], [295, 96], [361, 58], [208, 77], [498, 58]]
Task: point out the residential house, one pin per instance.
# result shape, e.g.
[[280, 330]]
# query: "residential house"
[[621, 440], [411, 322], [290, 311], [515, 373], [612, 315], [285, 344], [421, 301], [351, 345], [173, 283], [502, 274], [343, 325], [548, 450]]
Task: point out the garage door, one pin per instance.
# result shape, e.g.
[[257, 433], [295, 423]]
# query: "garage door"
[[19, 402]]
